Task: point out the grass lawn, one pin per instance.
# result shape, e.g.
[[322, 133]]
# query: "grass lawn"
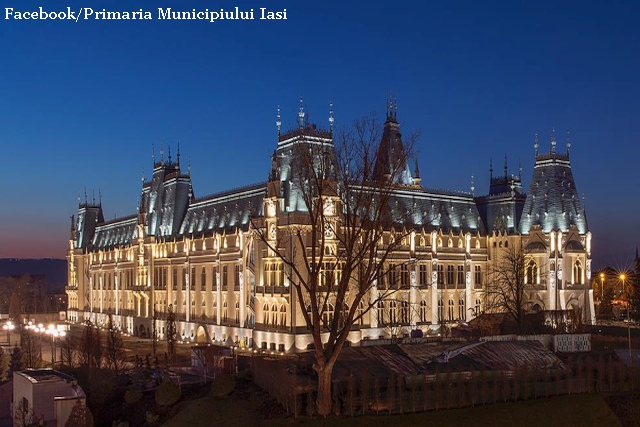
[[575, 410]]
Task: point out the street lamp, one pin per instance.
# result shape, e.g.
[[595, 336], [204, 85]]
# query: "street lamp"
[[623, 277], [601, 287], [9, 326]]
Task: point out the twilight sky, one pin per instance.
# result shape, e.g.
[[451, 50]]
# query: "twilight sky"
[[81, 103]]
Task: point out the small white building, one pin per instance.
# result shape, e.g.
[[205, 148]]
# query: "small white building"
[[45, 394]]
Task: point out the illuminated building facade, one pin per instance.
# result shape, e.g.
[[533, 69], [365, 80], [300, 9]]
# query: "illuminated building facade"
[[199, 255]]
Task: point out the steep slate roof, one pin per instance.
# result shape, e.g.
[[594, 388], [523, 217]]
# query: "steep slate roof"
[[224, 211], [118, 232], [552, 201], [436, 209]]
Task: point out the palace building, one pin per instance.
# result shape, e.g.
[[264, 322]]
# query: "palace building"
[[200, 256]]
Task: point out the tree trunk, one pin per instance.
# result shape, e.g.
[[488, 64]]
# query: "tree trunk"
[[324, 389]]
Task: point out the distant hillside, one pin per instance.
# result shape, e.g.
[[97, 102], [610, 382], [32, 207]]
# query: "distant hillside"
[[54, 269]]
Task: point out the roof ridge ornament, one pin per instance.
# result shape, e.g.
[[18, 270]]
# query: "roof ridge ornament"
[[506, 167], [553, 140], [301, 113], [178, 155], [278, 121], [490, 168], [472, 185], [161, 152], [536, 145], [153, 153], [568, 143], [331, 119]]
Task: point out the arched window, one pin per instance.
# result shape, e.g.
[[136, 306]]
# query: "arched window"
[[461, 307], [274, 315], [440, 309], [380, 313], [404, 312], [327, 314], [532, 273], [283, 315], [360, 314], [423, 311], [265, 314], [450, 309], [478, 307], [224, 311], [577, 273], [237, 312], [393, 311]]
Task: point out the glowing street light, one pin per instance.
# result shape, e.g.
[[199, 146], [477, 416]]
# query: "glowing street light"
[[9, 326], [623, 277]]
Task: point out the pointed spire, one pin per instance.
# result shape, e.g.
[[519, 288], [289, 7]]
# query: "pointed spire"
[[506, 167], [85, 195], [416, 171], [161, 152], [100, 196], [178, 155], [79, 198], [536, 145], [490, 169], [189, 166], [278, 121], [395, 110], [473, 187], [390, 107], [169, 153], [553, 140], [331, 117], [153, 154], [568, 143], [301, 113], [520, 169]]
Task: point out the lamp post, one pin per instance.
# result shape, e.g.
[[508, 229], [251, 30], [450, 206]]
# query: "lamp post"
[[601, 287], [623, 277], [9, 326]]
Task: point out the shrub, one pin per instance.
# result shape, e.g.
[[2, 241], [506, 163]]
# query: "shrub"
[[223, 386], [133, 396], [152, 418], [167, 394]]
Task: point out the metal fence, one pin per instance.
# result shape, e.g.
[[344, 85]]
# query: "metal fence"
[[442, 388]]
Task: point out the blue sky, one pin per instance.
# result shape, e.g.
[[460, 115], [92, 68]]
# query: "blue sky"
[[81, 103]]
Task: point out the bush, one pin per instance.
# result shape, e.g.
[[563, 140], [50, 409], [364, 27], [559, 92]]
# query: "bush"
[[167, 394], [223, 386], [152, 418], [133, 396]]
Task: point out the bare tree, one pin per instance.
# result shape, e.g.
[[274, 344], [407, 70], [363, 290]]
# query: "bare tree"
[[115, 353], [22, 414], [154, 331], [507, 286], [171, 332], [15, 306], [31, 344], [68, 352], [337, 254], [90, 348]]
